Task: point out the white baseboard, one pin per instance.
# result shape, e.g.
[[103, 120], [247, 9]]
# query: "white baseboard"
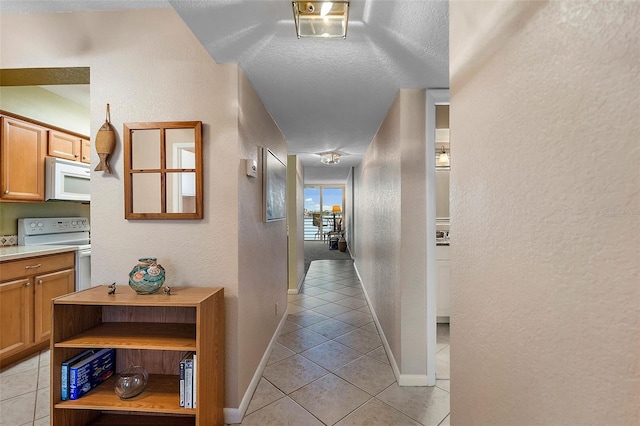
[[402, 379], [413, 380], [235, 415], [385, 343], [297, 289]]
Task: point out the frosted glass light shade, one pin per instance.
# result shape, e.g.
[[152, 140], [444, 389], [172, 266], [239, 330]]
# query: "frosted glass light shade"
[[330, 158], [321, 19]]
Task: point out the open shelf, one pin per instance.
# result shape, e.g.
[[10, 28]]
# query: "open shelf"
[[160, 396], [139, 335], [154, 331]]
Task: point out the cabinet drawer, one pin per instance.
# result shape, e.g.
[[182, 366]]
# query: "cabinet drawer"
[[15, 269]]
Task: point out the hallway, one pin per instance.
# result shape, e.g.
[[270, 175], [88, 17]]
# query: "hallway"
[[329, 366]]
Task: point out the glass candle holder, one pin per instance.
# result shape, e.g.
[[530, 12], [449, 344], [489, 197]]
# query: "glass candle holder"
[[131, 382]]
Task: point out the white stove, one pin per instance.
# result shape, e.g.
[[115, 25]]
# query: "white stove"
[[61, 231]]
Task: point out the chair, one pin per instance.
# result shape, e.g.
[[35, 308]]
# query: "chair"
[[317, 222], [331, 233]]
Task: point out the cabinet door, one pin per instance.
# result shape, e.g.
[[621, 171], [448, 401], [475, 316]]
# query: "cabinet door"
[[47, 287], [85, 151], [442, 194], [65, 146], [15, 316], [443, 273], [22, 152]]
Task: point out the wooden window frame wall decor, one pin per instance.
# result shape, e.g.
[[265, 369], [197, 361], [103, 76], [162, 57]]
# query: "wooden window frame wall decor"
[[162, 170]]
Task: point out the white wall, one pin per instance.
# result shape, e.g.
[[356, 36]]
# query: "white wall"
[[390, 200], [43, 105], [545, 208], [149, 67]]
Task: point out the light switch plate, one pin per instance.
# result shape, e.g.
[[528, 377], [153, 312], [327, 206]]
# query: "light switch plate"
[[252, 167]]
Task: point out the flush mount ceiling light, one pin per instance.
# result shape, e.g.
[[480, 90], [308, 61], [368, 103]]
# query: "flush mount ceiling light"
[[330, 158], [321, 18]]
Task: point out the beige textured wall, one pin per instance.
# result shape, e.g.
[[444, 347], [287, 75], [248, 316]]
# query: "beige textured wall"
[[349, 208], [390, 198], [262, 247], [378, 195], [413, 232], [545, 208], [295, 220], [150, 67]]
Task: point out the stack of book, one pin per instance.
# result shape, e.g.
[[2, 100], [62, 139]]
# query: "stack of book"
[[188, 376], [85, 371]]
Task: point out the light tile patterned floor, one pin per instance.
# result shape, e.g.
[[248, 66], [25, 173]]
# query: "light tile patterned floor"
[[329, 367], [24, 392]]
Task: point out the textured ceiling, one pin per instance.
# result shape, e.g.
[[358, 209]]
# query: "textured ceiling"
[[324, 94], [327, 94]]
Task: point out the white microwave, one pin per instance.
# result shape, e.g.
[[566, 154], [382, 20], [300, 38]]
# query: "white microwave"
[[67, 180]]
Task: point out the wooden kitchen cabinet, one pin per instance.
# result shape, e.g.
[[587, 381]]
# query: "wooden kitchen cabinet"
[[27, 287], [48, 287], [69, 147], [85, 151], [154, 331], [22, 147], [24, 144], [16, 317], [443, 274]]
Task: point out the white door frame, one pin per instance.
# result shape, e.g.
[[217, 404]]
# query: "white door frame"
[[434, 97]]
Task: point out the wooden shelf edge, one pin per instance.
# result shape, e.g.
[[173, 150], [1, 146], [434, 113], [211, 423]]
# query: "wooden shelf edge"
[[137, 420]]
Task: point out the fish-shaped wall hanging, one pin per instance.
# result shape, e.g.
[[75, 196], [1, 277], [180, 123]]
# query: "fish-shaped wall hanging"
[[105, 144]]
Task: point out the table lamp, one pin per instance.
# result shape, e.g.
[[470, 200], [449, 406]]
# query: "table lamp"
[[334, 210]]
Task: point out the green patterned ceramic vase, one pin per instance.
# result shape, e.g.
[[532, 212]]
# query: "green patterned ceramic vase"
[[147, 276]]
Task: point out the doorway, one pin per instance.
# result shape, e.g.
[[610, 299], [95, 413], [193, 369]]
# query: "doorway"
[[438, 222], [57, 97], [323, 211]]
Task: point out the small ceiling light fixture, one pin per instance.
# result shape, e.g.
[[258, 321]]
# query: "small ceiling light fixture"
[[321, 18], [443, 158], [330, 158]]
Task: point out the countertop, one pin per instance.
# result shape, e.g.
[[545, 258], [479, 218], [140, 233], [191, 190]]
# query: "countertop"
[[21, 252]]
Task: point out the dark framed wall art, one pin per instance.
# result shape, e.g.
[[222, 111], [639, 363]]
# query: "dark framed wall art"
[[274, 181]]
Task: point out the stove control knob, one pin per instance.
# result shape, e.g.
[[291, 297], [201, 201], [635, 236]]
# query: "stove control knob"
[[40, 224], [32, 224]]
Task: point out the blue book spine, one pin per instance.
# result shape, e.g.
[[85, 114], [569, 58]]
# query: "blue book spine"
[[65, 371], [90, 372]]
